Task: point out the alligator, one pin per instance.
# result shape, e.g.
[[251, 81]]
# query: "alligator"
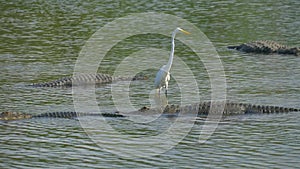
[[266, 47], [202, 109], [8, 116], [86, 79]]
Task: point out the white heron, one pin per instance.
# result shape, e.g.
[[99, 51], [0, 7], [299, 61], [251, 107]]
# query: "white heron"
[[163, 75]]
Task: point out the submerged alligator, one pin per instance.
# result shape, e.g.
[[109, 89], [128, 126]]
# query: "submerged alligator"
[[202, 109], [86, 79], [266, 47], [8, 116]]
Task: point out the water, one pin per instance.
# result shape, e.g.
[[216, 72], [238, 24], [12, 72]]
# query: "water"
[[41, 41]]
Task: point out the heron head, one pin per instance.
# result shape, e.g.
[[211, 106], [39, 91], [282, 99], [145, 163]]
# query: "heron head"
[[183, 31]]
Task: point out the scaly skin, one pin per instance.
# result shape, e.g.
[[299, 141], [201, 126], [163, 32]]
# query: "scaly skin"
[[230, 108], [202, 109], [86, 79], [8, 116], [266, 47]]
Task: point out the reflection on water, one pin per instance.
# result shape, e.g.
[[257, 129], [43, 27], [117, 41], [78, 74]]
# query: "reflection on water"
[[40, 41]]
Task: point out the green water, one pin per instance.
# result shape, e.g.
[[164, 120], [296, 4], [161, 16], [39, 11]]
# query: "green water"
[[41, 41]]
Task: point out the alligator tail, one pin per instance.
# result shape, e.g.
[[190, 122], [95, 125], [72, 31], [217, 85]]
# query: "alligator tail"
[[71, 115]]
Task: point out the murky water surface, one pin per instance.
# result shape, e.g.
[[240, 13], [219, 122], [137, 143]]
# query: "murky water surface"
[[41, 41]]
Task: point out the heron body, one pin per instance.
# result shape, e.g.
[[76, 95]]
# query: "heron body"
[[162, 78], [163, 75]]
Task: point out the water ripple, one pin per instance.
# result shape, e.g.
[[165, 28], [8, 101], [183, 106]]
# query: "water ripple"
[[40, 41]]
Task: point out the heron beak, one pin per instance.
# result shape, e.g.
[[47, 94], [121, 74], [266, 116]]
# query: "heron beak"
[[186, 32]]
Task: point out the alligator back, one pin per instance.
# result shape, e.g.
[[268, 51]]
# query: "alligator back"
[[201, 109], [230, 108], [86, 79], [266, 47], [8, 116], [204, 108]]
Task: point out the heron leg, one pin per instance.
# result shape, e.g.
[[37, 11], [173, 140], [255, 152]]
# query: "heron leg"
[[166, 86]]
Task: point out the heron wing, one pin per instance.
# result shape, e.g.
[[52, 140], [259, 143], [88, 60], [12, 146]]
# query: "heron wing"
[[160, 78]]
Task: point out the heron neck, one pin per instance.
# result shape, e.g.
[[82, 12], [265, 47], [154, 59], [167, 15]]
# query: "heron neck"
[[172, 52]]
